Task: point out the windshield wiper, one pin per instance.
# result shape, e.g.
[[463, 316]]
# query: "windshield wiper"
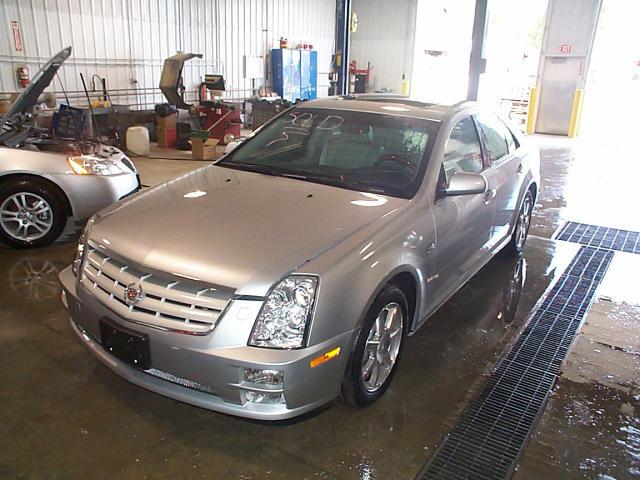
[[253, 167], [344, 182], [332, 180]]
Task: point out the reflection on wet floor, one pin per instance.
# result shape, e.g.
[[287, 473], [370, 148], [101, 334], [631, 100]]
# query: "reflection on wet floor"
[[591, 427], [64, 415], [35, 279]]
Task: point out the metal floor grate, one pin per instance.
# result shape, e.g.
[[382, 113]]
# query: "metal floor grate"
[[600, 237], [488, 439]]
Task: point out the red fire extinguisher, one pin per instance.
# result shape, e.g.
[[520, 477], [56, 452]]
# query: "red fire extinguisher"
[[23, 76]]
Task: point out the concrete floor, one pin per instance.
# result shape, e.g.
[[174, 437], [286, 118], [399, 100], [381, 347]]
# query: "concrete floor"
[[64, 415]]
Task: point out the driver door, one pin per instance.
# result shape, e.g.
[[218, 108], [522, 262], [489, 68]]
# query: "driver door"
[[463, 222]]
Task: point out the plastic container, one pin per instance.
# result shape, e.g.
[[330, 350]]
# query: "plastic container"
[[138, 140]]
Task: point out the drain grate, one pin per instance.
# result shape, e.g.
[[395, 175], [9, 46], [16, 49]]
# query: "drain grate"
[[488, 439], [600, 237]]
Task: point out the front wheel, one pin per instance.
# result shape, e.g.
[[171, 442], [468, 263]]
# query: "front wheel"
[[377, 348], [521, 230], [32, 214]]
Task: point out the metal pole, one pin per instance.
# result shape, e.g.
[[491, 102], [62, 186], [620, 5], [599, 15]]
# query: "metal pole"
[[343, 17], [477, 62]]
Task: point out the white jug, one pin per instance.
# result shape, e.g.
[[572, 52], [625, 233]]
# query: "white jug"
[[138, 140]]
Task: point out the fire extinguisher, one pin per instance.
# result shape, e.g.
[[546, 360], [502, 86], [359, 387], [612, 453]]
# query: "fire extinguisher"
[[23, 76]]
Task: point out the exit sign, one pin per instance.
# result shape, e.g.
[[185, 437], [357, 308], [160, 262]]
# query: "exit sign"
[[566, 48]]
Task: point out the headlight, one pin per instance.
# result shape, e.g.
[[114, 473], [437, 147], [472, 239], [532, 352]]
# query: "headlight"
[[85, 165], [283, 319], [82, 245]]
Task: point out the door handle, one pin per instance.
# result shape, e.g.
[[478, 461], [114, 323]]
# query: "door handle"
[[520, 169], [489, 195]]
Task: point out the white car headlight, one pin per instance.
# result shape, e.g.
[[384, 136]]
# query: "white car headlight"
[[284, 317], [86, 165], [82, 245]]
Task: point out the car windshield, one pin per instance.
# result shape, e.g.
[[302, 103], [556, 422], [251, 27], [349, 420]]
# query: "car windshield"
[[369, 152]]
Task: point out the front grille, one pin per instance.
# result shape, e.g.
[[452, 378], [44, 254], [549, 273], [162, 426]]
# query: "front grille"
[[168, 301]]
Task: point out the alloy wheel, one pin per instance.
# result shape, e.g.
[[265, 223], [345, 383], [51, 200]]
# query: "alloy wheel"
[[26, 216], [382, 347], [524, 220]]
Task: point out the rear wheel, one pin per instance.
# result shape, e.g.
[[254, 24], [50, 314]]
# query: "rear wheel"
[[32, 214], [376, 350], [521, 230]]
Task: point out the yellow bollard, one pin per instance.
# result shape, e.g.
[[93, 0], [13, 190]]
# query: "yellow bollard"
[[576, 113], [405, 87], [531, 113]]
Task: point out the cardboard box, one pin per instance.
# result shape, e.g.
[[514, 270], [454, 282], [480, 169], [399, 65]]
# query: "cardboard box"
[[167, 122], [204, 149], [166, 136]]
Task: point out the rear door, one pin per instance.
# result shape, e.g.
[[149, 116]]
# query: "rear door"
[[463, 223], [504, 173]]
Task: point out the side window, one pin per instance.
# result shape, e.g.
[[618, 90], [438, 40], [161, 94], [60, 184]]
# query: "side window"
[[495, 136], [463, 152], [512, 143]]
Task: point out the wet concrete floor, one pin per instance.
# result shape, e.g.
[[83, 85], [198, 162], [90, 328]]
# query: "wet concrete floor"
[[591, 426], [64, 415]]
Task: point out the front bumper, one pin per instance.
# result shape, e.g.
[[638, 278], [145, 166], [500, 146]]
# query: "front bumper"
[[207, 371], [91, 193]]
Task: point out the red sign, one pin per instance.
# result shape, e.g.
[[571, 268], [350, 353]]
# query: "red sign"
[[17, 36], [565, 48]]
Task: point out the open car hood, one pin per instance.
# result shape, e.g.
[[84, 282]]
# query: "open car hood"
[[41, 80], [171, 72]]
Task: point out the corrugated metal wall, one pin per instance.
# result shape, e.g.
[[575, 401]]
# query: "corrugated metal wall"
[[385, 37], [127, 40]]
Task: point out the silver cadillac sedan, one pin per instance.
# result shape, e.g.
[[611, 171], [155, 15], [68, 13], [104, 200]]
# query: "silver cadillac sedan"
[[290, 271]]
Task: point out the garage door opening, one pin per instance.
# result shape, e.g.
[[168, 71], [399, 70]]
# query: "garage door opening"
[[613, 81], [512, 49], [442, 49]]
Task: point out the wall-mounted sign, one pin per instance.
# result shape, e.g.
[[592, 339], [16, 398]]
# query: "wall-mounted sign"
[[253, 67], [566, 48], [17, 35]]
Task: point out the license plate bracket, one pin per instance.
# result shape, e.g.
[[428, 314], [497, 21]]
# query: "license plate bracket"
[[128, 345]]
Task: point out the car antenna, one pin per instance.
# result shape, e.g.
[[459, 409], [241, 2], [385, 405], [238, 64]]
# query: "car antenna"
[[66, 98], [93, 118]]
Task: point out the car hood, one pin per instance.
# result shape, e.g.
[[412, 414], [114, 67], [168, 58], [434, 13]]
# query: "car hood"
[[41, 80], [171, 77], [233, 228]]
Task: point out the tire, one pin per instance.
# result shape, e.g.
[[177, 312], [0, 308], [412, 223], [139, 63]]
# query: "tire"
[[359, 387], [521, 230], [34, 204]]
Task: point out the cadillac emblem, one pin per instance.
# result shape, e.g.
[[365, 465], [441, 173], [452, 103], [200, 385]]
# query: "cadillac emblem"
[[132, 294]]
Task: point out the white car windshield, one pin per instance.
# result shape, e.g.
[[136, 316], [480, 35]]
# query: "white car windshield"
[[370, 152]]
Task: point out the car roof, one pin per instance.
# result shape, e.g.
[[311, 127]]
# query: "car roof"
[[389, 105]]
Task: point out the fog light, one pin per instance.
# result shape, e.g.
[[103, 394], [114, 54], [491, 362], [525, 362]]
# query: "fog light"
[[263, 397], [256, 376], [263, 386]]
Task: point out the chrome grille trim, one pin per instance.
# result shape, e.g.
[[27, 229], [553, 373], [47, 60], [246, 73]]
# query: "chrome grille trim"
[[183, 382], [169, 302]]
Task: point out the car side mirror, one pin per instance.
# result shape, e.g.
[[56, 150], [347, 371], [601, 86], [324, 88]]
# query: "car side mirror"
[[462, 183]]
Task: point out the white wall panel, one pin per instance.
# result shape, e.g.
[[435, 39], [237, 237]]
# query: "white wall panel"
[[385, 37], [127, 40]]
